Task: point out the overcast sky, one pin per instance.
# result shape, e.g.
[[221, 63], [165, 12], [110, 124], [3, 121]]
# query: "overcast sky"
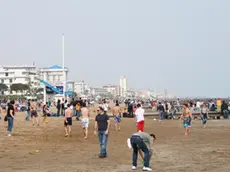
[[178, 45]]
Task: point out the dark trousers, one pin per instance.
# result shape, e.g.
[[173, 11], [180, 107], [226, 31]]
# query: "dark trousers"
[[131, 114], [62, 111], [138, 143], [58, 111]]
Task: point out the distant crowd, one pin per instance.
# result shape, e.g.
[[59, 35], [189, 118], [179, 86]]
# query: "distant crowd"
[[171, 107]]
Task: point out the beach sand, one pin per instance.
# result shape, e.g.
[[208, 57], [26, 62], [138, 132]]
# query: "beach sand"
[[45, 149]]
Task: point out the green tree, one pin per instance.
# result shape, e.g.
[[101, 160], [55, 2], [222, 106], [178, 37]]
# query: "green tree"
[[19, 87], [24, 87], [3, 87]]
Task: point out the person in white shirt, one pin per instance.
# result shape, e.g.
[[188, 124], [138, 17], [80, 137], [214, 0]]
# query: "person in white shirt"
[[140, 118], [198, 104], [105, 106]]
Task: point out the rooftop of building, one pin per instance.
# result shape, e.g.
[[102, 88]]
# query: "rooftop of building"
[[18, 67], [54, 67], [110, 86]]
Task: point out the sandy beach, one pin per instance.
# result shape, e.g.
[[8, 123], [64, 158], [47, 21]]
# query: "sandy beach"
[[44, 148]]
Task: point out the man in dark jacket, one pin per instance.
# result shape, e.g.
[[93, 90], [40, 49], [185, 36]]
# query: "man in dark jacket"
[[224, 110], [161, 111]]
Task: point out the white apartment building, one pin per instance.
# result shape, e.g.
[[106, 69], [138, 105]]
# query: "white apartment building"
[[123, 86], [79, 87], [54, 75], [99, 91], [18, 74], [113, 89]]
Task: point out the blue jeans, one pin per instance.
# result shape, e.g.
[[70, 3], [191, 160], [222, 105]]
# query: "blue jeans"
[[78, 114], [161, 115], [138, 143], [204, 118], [172, 114], [10, 124], [28, 116], [103, 140], [74, 111], [225, 114]]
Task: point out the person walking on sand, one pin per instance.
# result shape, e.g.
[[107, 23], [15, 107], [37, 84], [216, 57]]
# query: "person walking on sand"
[[78, 111], [10, 117], [161, 111], [5, 118], [102, 124], [105, 106], [68, 121], [0, 112], [28, 111], [117, 116], [140, 118], [204, 114], [34, 113], [187, 117], [142, 141], [58, 107], [85, 119]]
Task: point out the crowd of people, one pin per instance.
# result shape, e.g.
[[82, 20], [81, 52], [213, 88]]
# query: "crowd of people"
[[140, 141], [168, 109]]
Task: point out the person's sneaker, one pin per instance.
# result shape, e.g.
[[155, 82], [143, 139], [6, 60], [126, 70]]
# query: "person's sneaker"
[[147, 169], [9, 135], [134, 168], [102, 156]]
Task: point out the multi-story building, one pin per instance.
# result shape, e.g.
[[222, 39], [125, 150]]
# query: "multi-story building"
[[55, 78], [18, 74], [123, 86], [70, 86], [98, 91], [79, 87], [54, 75], [113, 89]]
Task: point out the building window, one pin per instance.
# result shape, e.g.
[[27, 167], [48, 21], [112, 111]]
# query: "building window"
[[2, 80], [10, 80], [58, 77], [7, 74], [54, 78]]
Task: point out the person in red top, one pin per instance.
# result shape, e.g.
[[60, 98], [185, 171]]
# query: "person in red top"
[[154, 106]]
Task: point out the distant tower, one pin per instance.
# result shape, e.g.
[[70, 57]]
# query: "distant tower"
[[165, 94], [123, 86]]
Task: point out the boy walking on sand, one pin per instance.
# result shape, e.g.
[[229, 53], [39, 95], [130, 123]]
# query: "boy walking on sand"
[[68, 121], [85, 119]]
